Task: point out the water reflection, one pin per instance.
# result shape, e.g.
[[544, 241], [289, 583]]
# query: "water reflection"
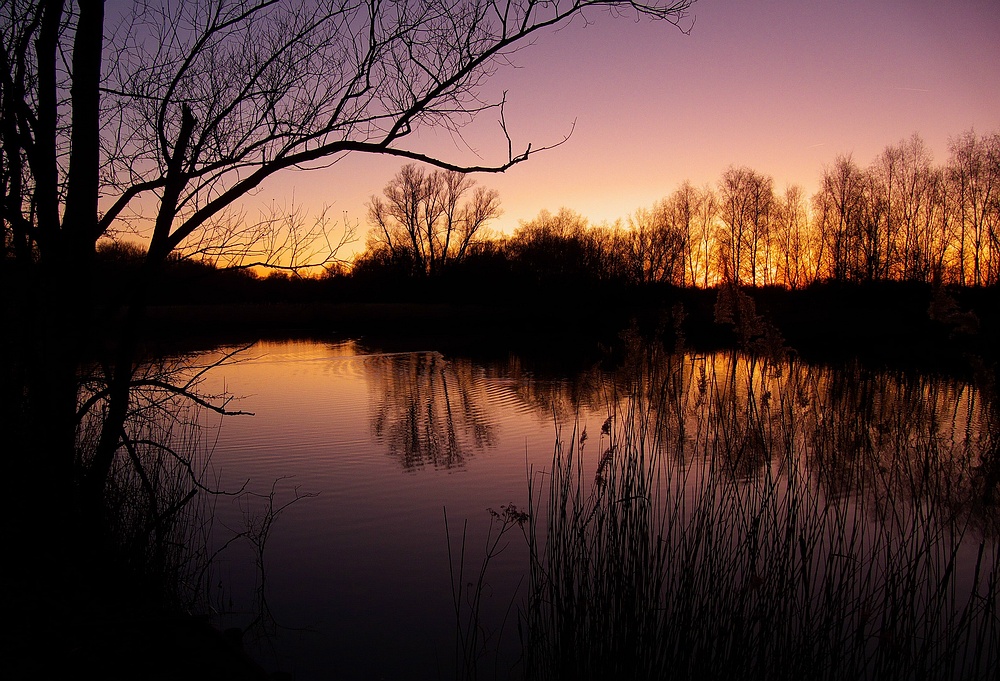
[[855, 429], [430, 410], [556, 397], [749, 518], [427, 410], [924, 438], [712, 494], [144, 467]]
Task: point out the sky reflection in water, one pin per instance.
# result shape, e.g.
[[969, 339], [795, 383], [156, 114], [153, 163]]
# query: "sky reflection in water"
[[357, 576]]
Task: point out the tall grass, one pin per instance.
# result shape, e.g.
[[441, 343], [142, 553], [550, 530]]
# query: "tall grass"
[[751, 519]]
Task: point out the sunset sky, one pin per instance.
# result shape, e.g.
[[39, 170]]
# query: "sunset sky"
[[782, 86]]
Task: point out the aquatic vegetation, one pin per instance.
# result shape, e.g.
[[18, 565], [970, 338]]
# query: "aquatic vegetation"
[[746, 518]]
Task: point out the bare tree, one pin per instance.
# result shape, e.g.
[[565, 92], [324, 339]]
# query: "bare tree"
[[791, 239], [685, 206], [907, 197], [559, 247], [746, 206], [174, 111], [875, 247], [428, 219], [162, 116], [902, 171], [655, 242], [565, 224], [915, 192], [838, 208], [282, 238], [934, 233], [702, 239], [973, 175]]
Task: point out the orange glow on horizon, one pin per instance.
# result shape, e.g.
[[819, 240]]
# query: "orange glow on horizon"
[[781, 87]]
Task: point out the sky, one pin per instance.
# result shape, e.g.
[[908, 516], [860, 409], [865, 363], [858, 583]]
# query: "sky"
[[782, 86]]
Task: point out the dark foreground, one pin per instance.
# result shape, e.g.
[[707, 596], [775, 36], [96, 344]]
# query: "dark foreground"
[[890, 324], [896, 325]]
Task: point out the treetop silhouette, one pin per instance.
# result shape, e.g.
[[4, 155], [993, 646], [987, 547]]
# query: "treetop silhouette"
[[171, 112]]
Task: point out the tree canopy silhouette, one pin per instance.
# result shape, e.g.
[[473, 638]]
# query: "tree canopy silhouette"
[[171, 112], [428, 220]]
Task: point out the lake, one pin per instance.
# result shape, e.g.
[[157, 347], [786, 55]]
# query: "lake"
[[684, 507], [359, 573]]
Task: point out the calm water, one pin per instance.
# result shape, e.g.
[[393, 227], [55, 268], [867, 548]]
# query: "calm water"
[[358, 575], [367, 452]]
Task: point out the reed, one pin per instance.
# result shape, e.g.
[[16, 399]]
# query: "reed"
[[745, 518]]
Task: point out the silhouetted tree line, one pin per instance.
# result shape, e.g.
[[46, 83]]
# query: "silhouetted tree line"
[[901, 218], [185, 281]]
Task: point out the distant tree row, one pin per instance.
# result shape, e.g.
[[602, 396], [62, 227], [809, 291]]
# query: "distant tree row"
[[900, 218]]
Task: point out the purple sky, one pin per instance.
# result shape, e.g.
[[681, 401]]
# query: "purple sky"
[[783, 86]]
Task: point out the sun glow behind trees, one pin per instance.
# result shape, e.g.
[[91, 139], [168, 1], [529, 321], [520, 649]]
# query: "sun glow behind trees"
[[901, 218]]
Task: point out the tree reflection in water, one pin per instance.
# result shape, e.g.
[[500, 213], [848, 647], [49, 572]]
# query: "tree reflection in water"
[[429, 410], [157, 496], [737, 516], [750, 517]]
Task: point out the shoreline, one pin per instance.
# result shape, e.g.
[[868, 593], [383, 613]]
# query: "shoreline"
[[902, 326]]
